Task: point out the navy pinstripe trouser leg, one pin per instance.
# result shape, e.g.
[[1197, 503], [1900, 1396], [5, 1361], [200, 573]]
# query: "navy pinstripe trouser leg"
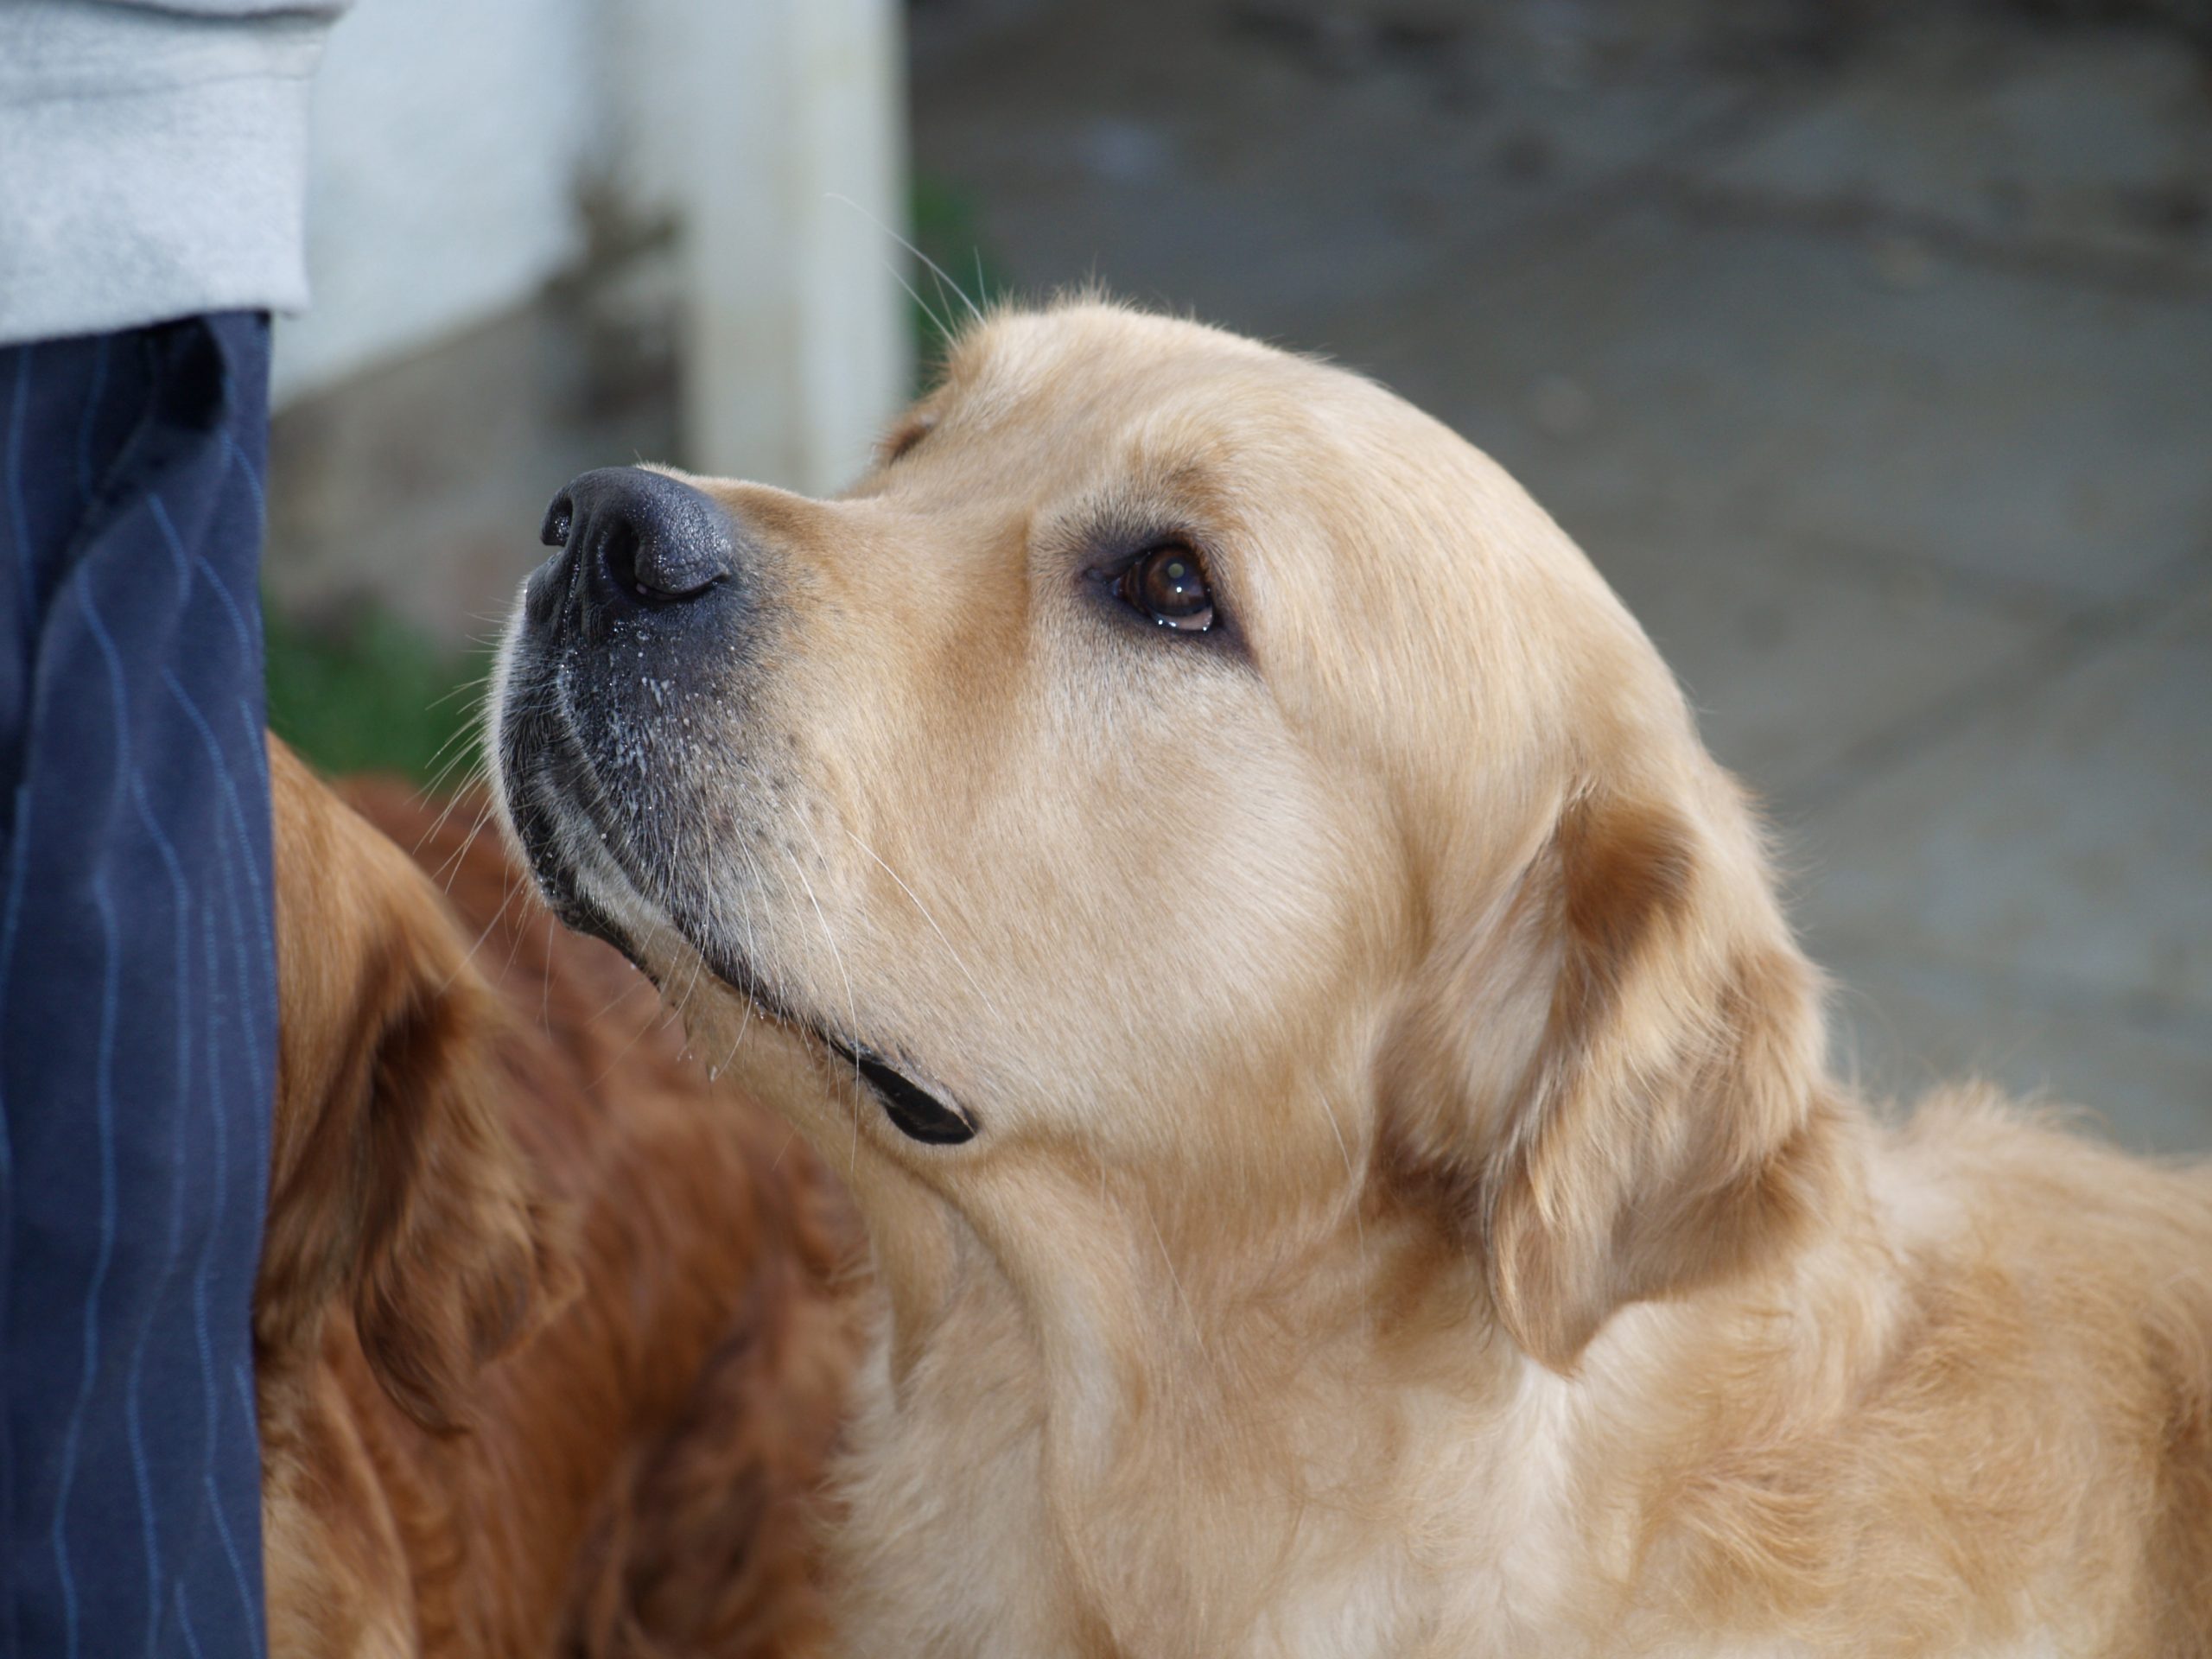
[[137, 989]]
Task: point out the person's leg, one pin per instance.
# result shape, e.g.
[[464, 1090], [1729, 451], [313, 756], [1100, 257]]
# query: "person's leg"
[[137, 989]]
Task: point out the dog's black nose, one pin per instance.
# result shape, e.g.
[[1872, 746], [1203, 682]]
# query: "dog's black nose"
[[638, 538]]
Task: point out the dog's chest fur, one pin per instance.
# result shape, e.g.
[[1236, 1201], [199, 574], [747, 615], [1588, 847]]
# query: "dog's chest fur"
[[1474, 1503], [988, 1518]]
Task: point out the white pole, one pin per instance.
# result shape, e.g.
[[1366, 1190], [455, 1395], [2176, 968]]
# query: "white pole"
[[793, 187]]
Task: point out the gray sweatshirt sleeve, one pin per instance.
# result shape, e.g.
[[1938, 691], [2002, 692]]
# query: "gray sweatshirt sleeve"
[[153, 159]]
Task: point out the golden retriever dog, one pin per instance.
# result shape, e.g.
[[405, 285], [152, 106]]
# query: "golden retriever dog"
[[500, 1152], [1344, 1126]]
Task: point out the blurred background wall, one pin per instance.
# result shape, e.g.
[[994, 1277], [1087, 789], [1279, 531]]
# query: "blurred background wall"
[[1865, 345], [545, 235], [451, 144]]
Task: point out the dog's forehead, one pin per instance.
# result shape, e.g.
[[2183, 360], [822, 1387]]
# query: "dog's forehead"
[[1107, 370]]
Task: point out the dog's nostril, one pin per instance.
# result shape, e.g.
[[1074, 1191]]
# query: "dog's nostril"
[[554, 532], [617, 556], [641, 537], [658, 564]]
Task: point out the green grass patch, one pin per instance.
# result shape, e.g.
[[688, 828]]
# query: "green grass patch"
[[372, 695]]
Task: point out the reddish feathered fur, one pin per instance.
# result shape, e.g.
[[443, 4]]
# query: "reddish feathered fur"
[[553, 1340]]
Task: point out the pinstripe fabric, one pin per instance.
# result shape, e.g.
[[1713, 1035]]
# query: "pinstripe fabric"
[[137, 989]]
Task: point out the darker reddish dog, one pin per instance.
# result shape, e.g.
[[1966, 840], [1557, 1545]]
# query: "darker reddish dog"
[[551, 1350]]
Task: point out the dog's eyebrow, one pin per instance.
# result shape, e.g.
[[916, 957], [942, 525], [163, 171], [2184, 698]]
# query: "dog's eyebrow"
[[1158, 487], [1126, 520]]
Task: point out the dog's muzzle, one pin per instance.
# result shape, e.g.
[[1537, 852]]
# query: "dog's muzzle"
[[625, 637], [651, 580]]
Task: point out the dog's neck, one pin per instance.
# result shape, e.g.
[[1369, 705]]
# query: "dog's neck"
[[1191, 1435], [1123, 1430]]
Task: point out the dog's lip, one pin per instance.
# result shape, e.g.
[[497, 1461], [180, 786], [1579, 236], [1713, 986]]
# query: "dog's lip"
[[919, 1113]]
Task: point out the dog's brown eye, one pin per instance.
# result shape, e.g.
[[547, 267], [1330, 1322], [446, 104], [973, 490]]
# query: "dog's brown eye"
[[1169, 586]]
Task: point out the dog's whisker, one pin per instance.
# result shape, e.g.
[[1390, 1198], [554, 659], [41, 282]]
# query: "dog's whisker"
[[545, 994], [974, 309], [1351, 1177], [744, 1024], [958, 960], [446, 872], [453, 801], [527, 889], [650, 1023], [477, 684], [751, 957], [914, 294], [1167, 1258], [684, 1002], [790, 1135], [860, 1085], [514, 886]]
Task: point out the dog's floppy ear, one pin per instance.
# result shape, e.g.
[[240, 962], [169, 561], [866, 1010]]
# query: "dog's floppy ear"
[[454, 1258], [393, 1181], [1618, 1089]]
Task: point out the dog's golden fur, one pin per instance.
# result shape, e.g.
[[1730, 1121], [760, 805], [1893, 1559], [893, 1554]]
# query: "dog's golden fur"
[[1412, 1213], [548, 1355]]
